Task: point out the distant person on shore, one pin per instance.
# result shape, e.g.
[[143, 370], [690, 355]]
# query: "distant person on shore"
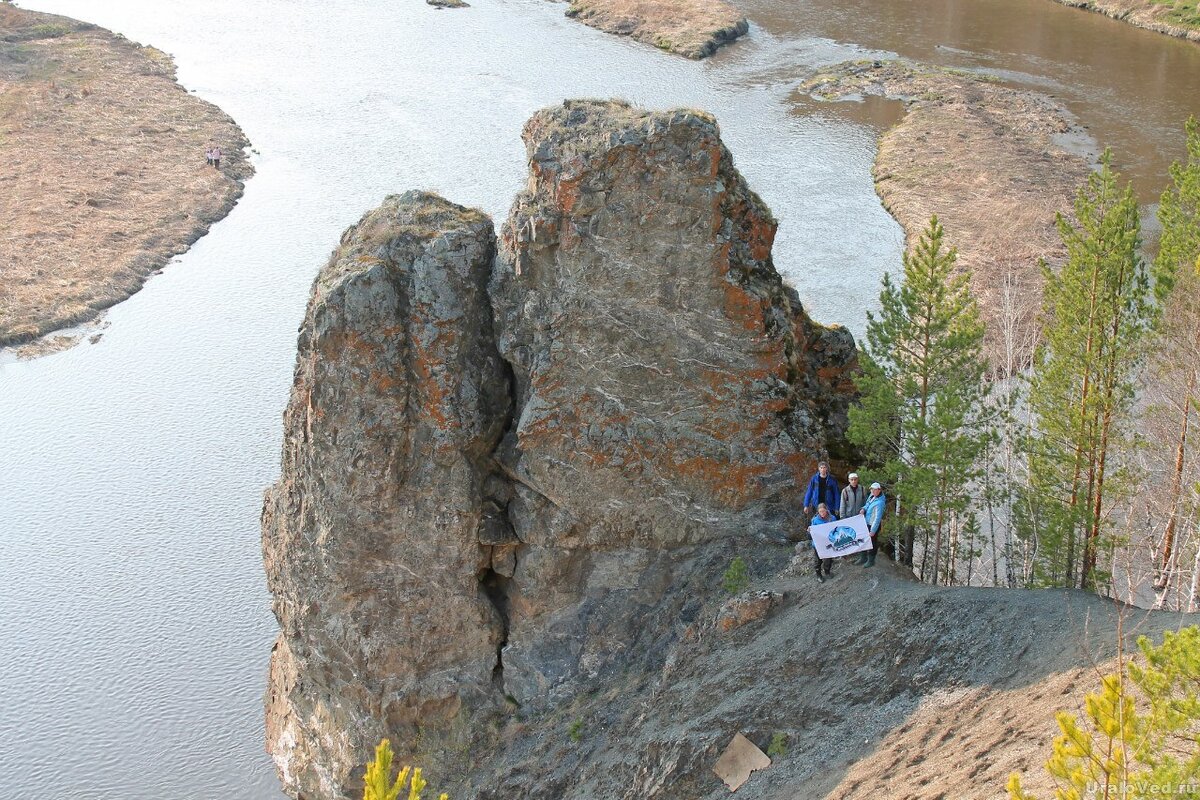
[[822, 488], [853, 497], [826, 564], [208, 155], [873, 511], [216, 157]]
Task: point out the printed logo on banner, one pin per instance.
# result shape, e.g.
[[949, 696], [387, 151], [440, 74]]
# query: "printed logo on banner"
[[843, 537]]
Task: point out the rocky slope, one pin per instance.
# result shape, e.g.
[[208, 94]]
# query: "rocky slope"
[[104, 170], [455, 536], [882, 687]]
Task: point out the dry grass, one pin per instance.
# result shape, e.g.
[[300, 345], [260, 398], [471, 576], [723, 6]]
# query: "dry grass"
[[1179, 18], [104, 174], [982, 157], [691, 28], [966, 742]]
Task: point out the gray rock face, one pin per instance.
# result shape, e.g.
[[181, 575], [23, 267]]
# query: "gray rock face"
[[664, 401], [371, 537], [453, 534]]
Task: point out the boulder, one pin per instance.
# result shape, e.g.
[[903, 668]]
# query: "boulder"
[[747, 608]]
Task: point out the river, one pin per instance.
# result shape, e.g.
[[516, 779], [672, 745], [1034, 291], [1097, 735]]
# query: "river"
[[134, 621]]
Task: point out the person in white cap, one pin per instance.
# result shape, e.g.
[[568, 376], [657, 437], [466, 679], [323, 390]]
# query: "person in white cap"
[[853, 498], [873, 511]]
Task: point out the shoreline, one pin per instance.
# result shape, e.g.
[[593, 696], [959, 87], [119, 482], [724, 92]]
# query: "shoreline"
[[694, 29], [107, 178], [1139, 13], [993, 163]]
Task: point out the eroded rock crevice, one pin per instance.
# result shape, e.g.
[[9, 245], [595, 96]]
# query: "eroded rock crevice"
[[496, 587]]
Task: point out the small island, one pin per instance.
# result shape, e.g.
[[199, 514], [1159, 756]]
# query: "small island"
[[691, 28], [105, 170]]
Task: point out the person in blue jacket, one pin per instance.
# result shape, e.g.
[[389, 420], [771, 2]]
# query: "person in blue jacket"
[[823, 515], [822, 488], [873, 510]]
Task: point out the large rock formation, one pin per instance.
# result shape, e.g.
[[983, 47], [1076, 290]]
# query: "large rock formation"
[[663, 397], [370, 538], [441, 554]]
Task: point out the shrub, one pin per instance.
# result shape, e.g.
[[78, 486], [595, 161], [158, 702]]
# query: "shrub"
[[736, 577]]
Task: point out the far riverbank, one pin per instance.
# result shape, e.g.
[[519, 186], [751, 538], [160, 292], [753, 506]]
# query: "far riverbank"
[[1178, 18], [106, 176], [995, 164]]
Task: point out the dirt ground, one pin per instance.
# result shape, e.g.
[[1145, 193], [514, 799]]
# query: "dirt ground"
[[691, 28], [877, 686], [992, 164], [104, 176], [1180, 18]]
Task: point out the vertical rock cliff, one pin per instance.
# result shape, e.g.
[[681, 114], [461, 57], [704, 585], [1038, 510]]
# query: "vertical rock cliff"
[[663, 398], [454, 536], [371, 536]]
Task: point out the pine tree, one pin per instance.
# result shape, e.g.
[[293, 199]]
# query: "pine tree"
[[1176, 358], [1092, 759], [1169, 726], [378, 783], [922, 391], [1098, 311], [1141, 735], [1179, 214]]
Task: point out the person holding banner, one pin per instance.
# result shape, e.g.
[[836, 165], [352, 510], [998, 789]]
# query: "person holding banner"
[[822, 488], [823, 515], [873, 511]]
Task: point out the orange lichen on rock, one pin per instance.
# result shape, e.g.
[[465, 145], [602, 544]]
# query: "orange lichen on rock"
[[741, 306], [733, 483]]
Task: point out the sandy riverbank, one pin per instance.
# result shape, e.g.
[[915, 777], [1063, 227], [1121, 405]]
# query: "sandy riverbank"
[[992, 163], [1180, 18], [104, 174], [691, 28]]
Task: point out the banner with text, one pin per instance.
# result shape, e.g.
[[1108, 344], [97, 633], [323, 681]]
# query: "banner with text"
[[842, 537]]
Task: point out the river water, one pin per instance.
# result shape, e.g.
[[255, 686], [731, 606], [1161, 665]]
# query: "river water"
[[134, 622]]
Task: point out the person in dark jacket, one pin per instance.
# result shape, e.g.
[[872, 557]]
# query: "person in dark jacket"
[[822, 488], [823, 515]]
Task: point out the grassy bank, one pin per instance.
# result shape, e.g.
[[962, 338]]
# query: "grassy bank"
[[1179, 18], [105, 177], [987, 160]]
